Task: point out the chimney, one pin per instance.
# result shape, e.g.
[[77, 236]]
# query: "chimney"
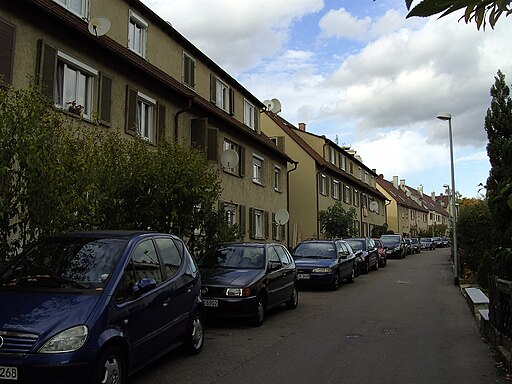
[[395, 182], [420, 190], [433, 196], [402, 184], [302, 126], [374, 170]]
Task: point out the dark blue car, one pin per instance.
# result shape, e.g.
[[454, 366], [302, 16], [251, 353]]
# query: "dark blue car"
[[324, 262], [94, 307]]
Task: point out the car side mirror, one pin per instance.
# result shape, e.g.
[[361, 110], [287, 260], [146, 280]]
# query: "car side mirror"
[[273, 266], [143, 285]]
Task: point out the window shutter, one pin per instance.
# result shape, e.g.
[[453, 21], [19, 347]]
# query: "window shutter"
[[256, 118], [275, 227], [231, 101], [199, 130], [192, 73], [131, 111], [7, 40], [251, 223], [105, 99], [221, 208], [242, 212], [213, 88], [46, 68], [160, 130], [212, 152], [241, 161], [265, 224]]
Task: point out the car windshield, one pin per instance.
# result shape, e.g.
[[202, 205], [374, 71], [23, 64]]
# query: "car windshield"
[[390, 241], [234, 257], [316, 250], [357, 245], [378, 244], [65, 263]]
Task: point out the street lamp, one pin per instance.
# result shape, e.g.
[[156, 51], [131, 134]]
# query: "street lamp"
[[448, 116]]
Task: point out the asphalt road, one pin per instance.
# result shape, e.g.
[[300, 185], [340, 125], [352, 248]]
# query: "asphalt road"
[[406, 323]]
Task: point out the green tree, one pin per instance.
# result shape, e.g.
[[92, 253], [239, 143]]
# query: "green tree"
[[337, 222], [379, 230], [478, 11]]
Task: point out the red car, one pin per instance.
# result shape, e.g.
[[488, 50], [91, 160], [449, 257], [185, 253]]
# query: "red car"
[[381, 251]]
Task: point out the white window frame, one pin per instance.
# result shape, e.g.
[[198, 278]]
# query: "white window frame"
[[277, 178], [249, 111], [146, 107], [332, 155], [68, 5], [66, 63], [346, 194], [137, 24], [230, 214], [258, 224], [355, 197], [322, 184], [189, 69], [336, 189], [343, 162], [257, 169], [222, 95]]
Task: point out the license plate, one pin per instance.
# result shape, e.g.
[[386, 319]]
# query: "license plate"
[[8, 373], [211, 303], [303, 276]]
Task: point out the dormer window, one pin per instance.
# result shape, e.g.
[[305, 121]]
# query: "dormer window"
[[78, 7]]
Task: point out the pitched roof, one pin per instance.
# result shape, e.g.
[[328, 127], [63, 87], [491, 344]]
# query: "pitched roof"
[[399, 195], [291, 131]]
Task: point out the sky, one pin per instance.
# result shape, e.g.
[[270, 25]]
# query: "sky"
[[360, 73]]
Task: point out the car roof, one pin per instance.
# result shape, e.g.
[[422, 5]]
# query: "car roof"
[[120, 234]]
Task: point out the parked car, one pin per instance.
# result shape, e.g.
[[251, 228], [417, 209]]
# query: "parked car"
[[395, 246], [94, 307], [427, 243], [381, 252], [438, 241], [416, 245], [247, 279], [324, 262], [365, 247], [445, 241]]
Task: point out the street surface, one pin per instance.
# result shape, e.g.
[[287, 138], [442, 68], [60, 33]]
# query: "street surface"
[[406, 323]]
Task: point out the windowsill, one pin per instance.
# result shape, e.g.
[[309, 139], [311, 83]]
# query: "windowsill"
[[137, 53], [257, 182]]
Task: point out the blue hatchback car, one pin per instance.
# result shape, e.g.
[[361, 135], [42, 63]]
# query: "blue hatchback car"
[[94, 307]]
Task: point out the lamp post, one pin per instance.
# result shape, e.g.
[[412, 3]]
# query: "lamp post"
[[447, 116]]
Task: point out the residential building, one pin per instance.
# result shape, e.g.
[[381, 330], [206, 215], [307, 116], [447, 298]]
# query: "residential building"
[[325, 174], [132, 72]]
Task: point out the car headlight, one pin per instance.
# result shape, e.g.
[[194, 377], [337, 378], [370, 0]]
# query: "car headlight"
[[238, 292], [322, 270], [67, 341]]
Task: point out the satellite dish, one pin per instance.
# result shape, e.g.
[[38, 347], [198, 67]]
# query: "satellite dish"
[[374, 206], [277, 106], [282, 216], [269, 104], [98, 26], [229, 159]]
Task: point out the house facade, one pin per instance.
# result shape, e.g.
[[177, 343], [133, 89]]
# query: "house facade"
[[116, 65], [324, 174]]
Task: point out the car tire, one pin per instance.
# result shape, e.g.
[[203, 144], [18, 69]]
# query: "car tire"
[[376, 266], [335, 283], [195, 334], [259, 313], [109, 368], [366, 267], [294, 298]]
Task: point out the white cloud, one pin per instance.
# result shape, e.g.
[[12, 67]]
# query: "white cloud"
[[340, 23]]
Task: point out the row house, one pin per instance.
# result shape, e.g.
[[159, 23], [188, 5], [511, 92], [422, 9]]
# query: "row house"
[[405, 215], [131, 71], [324, 174]]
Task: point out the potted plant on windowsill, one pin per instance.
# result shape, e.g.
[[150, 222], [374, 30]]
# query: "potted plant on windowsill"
[[74, 108]]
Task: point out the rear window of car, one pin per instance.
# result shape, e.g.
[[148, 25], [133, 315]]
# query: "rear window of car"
[[324, 250], [391, 240], [357, 245]]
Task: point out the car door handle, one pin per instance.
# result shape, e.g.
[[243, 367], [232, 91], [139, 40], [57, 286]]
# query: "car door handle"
[[166, 302]]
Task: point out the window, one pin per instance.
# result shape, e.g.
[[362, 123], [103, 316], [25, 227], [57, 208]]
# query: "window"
[[258, 224], [361, 174], [78, 7], [189, 71], [355, 197], [170, 255], [284, 256], [145, 262], [230, 214], [322, 184], [137, 30], [351, 168], [343, 162], [366, 177], [222, 95], [145, 116], [249, 115], [74, 85], [234, 147], [332, 155], [346, 194], [277, 178], [335, 189], [257, 167]]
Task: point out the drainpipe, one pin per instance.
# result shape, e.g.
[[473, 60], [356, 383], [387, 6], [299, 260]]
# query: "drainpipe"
[[177, 115], [295, 163], [318, 202]]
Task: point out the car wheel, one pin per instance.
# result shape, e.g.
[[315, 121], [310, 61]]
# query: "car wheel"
[[335, 283], [376, 266], [109, 368], [259, 314], [366, 267], [352, 276], [195, 335], [294, 298]]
